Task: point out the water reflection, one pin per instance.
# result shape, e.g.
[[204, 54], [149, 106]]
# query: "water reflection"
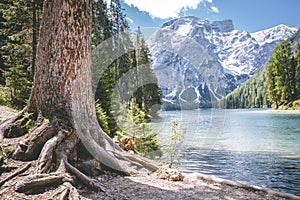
[[253, 146], [265, 169]]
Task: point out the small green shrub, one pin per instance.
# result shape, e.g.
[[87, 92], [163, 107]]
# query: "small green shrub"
[[175, 143], [102, 118], [135, 126]]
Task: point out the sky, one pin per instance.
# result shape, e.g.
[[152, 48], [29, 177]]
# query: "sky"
[[248, 15]]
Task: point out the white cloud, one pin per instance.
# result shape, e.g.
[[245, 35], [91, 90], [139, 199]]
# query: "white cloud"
[[209, 1], [215, 9], [164, 8]]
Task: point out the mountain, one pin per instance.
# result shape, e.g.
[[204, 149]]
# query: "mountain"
[[198, 62], [253, 92]]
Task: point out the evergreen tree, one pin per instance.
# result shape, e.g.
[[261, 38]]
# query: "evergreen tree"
[[297, 73], [110, 25], [102, 118], [148, 93], [271, 84], [16, 50], [250, 94], [2, 41], [101, 24], [281, 74]]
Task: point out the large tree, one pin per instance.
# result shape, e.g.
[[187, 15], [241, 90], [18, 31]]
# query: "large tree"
[[60, 117], [282, 75]]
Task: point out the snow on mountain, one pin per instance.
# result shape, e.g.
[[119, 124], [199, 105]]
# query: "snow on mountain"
[[197, 62], [280, 32]]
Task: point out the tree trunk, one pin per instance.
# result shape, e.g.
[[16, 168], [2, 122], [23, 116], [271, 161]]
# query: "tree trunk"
[[62, 102], [62, 89]]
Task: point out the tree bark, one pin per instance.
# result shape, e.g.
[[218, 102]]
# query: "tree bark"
[[63, 104], [62, 89]]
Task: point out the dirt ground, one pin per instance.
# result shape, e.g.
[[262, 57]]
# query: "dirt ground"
[[141, 187], [6, 112]]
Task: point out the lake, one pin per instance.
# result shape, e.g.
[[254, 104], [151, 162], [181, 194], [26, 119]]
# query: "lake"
[[253, 146]]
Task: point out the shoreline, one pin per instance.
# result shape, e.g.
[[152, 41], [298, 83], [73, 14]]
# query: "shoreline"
[[246, 186], [284, 111], [193, 186]]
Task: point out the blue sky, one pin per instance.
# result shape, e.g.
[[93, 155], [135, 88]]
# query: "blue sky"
[[249, 15]]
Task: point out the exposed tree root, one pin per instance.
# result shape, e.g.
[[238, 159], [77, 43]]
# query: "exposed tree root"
[[136, 160], [15, 173], [29, 148], [61, 157], [14, 126], [66, 191], [46, 155], [85, 179], [41, 181]]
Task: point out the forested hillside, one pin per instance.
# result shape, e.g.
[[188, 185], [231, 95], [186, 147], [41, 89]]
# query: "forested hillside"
[[276, 84], [251, 94]]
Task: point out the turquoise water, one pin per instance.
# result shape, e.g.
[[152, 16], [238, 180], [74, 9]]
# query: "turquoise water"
[[253, 146]]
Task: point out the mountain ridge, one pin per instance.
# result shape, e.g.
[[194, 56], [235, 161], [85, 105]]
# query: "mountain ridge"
[[253, 93], [208, 60]]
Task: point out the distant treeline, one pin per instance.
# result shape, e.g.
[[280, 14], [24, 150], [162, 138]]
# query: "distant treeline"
[[250, 94], [276, 85]]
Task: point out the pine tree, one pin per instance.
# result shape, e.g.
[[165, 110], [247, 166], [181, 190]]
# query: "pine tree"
[[110, 25], [271, 82], [16, 51], [250, 94], [297, 72], [101, 23], [282, 75], [148, 93], [2, 41]]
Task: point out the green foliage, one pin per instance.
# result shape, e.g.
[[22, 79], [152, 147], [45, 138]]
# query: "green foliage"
[[109, 22], [250, 94], [148, 94], [137, 115], [146, 142], [112, 84], [174, 146], [101, 28], [282, 75], [30, 123], [145, 139], [102, 118], [278, 83], [297, 72], [18, 40], [4, 95]]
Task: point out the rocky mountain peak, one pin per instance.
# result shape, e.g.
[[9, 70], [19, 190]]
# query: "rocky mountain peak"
[[194, 22], [198, 61]]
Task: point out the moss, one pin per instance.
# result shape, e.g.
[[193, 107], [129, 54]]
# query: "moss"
[[29, 122]]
